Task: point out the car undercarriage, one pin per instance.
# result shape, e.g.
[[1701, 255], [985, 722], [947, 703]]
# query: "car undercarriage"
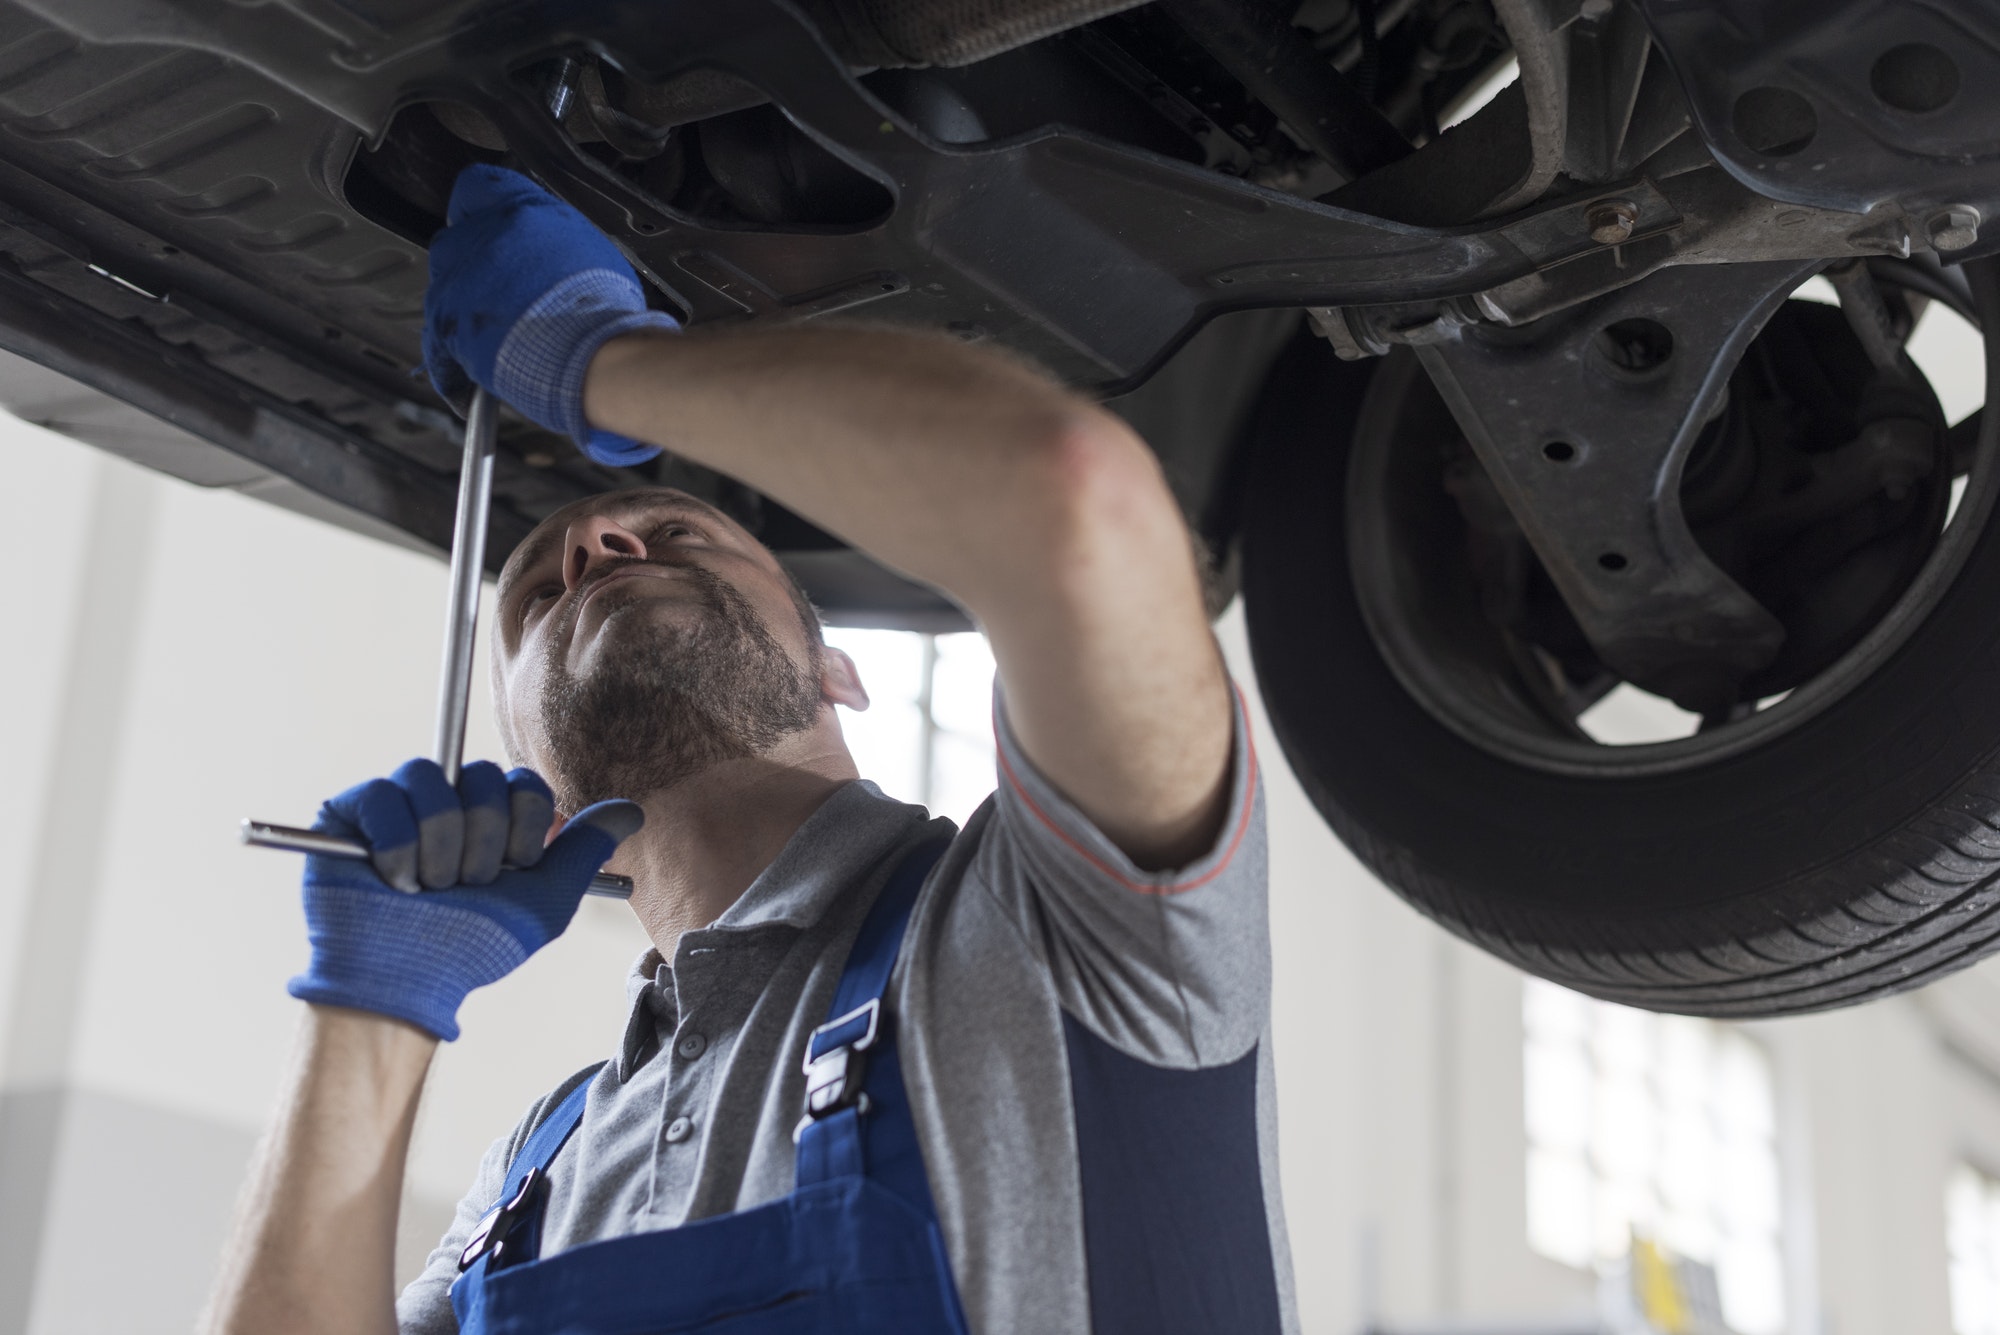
[[1464, 329]]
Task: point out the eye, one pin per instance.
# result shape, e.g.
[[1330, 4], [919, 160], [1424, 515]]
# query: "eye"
[[673, 528]]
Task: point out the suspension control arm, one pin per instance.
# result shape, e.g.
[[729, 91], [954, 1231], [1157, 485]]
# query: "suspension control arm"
[[1585, 422]]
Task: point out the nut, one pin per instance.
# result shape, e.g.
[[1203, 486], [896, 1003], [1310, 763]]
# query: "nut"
[[1611, 220], [1351, 341], [1953, 227]]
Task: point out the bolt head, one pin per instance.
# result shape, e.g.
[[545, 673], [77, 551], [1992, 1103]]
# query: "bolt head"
[[1611, 220], [1953, 227]]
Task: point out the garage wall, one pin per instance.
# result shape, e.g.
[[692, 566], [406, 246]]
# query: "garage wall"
[[1399, 1084], [179, 659]]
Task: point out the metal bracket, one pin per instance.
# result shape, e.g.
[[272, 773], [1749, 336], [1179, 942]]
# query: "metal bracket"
[[1585, 423], [1847, 104]]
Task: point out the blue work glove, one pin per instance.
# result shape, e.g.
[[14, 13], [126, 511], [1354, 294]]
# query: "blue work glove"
[[378, 945], [524, 291]]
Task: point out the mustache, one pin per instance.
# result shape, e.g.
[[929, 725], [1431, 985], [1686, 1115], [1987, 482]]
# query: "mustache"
[[572, 603], [662, 702]]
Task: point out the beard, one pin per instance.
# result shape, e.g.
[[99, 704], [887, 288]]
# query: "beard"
[[663, 702]]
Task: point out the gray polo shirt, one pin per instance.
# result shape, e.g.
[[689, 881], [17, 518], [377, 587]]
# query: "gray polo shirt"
[[1086, 1047]]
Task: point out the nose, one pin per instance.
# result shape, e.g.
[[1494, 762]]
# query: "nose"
[[592, 541]]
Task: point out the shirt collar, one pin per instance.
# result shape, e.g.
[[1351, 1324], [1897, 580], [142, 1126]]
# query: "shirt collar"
[[648, 976], [836, 847], [834, 850]]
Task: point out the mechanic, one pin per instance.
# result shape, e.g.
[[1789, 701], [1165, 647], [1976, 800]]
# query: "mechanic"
[[1037, 1051]]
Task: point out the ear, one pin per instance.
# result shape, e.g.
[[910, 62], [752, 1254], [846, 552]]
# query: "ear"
[[840, 680]]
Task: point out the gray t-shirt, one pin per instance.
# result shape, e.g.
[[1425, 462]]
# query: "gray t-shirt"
[[1086, 1047]]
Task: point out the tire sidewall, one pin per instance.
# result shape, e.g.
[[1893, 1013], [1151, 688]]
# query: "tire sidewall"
[[1786, 834]]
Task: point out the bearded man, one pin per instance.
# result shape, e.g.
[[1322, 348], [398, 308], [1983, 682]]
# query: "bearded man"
[[879, 1075]]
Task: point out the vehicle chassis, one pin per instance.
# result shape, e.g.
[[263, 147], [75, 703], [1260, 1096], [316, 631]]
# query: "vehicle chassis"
[[1099, 259]]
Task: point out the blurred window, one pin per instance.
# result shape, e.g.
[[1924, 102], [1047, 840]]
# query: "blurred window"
[[1655, 1126], [927, 734], [1972, 1243]]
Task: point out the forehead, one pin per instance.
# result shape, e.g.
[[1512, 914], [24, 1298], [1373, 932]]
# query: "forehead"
[[631, 505]]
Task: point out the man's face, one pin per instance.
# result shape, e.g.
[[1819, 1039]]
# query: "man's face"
[[641, 637]]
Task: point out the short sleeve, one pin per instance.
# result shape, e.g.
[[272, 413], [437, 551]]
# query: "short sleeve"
[[1171, 966], [424, 1306]]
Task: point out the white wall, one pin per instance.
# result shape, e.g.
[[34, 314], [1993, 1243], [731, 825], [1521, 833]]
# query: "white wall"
[[181, 659], [1399, 1086], [178, 659]]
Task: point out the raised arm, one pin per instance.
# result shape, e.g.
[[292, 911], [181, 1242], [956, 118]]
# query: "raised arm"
[[1044, 515]]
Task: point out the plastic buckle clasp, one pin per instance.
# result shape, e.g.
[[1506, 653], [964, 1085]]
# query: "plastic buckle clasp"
[[835, 1062], [491, 1233]]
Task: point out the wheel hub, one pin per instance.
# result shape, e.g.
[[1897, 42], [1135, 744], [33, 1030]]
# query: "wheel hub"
[[1819, 486]]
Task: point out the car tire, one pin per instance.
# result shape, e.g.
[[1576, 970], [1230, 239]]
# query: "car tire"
[[1852, 856]]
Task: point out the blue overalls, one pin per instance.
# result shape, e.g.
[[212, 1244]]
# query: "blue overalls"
[[854, 1250]]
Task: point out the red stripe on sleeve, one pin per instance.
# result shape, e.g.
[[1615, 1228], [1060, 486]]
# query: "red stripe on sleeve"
[[1146, 887]]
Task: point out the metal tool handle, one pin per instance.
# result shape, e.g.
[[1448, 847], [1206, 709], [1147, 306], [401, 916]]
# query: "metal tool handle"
[[468, 572], [461, 631], [263, 834], [461, 615]]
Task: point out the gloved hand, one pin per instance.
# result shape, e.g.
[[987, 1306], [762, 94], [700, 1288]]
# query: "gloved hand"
[[378, 945], [523, 292]]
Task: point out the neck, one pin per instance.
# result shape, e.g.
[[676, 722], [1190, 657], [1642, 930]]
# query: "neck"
[[707, 838]]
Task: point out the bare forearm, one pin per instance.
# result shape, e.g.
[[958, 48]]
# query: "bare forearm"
[[1044, 516], [314, 1245], [927, 453]]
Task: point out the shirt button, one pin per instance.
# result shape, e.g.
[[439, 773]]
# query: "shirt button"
[[679, 1129], [692, 1045]]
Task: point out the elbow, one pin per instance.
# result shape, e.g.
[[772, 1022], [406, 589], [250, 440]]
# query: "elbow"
[[1075, 516], [1099, 495], [1091, 473]]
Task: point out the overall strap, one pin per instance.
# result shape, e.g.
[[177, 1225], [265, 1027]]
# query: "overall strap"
[[539, 1150], [511, 1231], [857, 1033]]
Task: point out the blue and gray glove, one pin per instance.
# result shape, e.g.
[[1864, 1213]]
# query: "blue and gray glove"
[[523, 292], [378, 945]]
